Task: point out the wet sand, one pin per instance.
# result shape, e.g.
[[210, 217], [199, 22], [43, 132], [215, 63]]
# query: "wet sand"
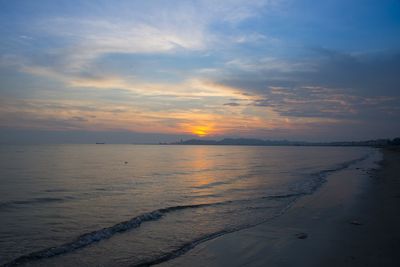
[[352, 220]]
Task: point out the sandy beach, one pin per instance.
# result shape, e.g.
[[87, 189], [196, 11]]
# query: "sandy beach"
[[352, 220]]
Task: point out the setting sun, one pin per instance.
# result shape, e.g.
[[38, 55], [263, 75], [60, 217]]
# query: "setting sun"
[[201, 131]]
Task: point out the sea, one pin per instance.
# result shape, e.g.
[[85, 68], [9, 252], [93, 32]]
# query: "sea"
[[139, 205]]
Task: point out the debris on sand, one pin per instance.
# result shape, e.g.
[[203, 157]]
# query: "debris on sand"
[[301, 235], [355, 222]]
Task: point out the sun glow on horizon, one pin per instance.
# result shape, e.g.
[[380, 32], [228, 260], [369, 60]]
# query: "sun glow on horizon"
[[202, 131]]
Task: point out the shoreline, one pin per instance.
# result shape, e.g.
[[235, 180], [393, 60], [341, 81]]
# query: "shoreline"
[[350, 221]]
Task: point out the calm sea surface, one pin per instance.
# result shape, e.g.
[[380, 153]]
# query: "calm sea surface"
[[125, 205]]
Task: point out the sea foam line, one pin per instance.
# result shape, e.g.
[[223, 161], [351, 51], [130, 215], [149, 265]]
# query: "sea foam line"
[[98, 235], [106, 233]]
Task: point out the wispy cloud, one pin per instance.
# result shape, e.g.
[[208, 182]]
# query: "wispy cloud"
[[183, 26], [95, 115], [319, 102], [91, 39]]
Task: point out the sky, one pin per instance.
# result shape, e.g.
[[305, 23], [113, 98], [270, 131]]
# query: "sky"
[[157, 71]]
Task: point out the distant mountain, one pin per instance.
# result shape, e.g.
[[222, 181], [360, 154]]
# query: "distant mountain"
[[260, 142]]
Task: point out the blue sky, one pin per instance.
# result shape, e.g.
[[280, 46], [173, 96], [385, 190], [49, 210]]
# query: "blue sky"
[[310, 70]]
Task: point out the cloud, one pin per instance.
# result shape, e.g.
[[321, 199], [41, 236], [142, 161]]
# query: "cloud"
[[189, 88], [369, 73], [319, 102], [105, 116], [75, 46], [364, 73], [331, 85], [325, 89], [86, 40], [232, 104], [269, 65], [177, 27]]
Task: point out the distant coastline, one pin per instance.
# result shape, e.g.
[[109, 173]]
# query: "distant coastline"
[[261, 142]]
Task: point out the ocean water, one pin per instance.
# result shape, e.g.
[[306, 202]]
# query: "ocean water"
[[137, 205]]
